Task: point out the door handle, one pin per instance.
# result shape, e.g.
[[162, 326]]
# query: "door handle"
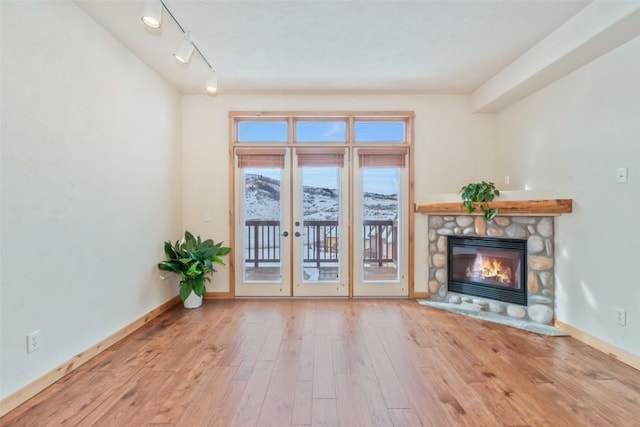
[[297, 234], [285, 234]]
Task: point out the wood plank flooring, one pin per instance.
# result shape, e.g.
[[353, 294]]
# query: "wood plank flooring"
[[337, 363]]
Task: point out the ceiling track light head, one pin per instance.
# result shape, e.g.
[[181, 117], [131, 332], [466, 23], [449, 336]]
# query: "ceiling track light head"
[[212, 83], [152, 15], [185, 48]]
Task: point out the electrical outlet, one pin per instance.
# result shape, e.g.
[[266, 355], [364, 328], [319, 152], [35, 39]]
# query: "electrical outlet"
[[507, 179], [621, 316], [33, 341], [621, 175]]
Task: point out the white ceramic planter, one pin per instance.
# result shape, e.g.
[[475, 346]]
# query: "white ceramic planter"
[[193, 301]]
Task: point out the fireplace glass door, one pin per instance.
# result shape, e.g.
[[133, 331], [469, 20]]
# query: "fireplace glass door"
[[488, 267]]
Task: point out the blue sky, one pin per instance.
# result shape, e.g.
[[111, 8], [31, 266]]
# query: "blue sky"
[[321, 131]]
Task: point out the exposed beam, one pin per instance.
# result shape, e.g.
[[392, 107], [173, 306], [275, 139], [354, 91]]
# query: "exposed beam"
[[595, 30]]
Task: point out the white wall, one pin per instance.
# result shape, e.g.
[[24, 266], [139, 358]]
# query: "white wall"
[[91, 186], [571, 137], [453, 147]]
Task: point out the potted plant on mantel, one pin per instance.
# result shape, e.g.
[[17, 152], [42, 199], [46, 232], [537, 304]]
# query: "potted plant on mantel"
[[193, 260], [479, 194]]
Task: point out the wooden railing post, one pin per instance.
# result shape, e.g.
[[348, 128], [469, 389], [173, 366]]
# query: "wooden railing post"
[[317, 245], [256, 241]]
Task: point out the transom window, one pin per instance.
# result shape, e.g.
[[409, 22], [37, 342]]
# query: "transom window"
[[262, 131], [373, 128], [380, 131], [321, 131]]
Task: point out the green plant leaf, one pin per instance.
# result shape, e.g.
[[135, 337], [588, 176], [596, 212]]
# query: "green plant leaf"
[[194, 270], [218, 260], [199, 287], [480, 193], [185, 290], [172, 266], [168, 250], [222, 250]]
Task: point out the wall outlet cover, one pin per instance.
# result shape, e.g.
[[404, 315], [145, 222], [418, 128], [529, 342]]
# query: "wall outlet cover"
[[621, 316], [621, 175], [33, 341]]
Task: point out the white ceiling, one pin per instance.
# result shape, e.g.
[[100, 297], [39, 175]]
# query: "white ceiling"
[[347, 46]]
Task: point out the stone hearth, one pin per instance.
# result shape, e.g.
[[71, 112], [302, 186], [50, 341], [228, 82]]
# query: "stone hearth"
[[536, 230]]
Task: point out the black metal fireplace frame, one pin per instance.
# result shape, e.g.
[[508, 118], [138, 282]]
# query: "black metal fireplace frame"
[[468, 287]]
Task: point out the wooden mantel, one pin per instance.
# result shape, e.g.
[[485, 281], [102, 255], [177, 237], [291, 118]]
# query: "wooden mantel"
[[551, 207]]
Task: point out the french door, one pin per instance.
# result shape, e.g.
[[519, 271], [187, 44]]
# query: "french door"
[[296, 225], [263, 217], [320, 222], [380, 196], [293, 222]]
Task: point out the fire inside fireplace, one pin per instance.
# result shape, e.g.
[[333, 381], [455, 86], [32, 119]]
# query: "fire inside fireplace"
[[488, 267]]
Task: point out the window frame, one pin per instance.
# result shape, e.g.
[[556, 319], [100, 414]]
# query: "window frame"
[[350, 117]]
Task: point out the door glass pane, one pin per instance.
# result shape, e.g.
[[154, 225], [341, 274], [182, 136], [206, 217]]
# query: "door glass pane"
[[380, 131], [321, 131], [321, 224], [261, 224], [262, 131], [381, 210]]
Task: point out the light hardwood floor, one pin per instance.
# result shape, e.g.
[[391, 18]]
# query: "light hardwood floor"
[[337, 362]]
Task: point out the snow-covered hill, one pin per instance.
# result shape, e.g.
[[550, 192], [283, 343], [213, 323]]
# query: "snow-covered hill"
[[262, 195]]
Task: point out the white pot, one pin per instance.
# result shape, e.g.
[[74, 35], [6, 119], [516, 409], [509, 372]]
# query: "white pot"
[[193, 301]]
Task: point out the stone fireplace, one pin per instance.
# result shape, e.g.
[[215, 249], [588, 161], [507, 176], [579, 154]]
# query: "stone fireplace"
[[530, 288]]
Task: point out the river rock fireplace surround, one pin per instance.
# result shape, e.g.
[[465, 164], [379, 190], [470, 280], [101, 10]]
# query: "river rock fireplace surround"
[[532, 285], [537, 302]]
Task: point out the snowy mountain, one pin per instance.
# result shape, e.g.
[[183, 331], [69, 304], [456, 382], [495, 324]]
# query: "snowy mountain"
[[262, 195]]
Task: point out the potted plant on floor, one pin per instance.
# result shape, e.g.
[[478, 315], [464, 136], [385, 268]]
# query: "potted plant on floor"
[[193, 259], [479, 194]]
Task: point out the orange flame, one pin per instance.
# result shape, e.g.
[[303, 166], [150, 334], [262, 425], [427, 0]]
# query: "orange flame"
[[490, 268]]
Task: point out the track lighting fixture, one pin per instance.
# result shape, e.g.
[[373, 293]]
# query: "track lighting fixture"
[[185, 48], [212, 83], [152, 15]]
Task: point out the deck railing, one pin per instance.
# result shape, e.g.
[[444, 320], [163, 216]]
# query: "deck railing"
[[380, 242], [262, 242], [320, 242]]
